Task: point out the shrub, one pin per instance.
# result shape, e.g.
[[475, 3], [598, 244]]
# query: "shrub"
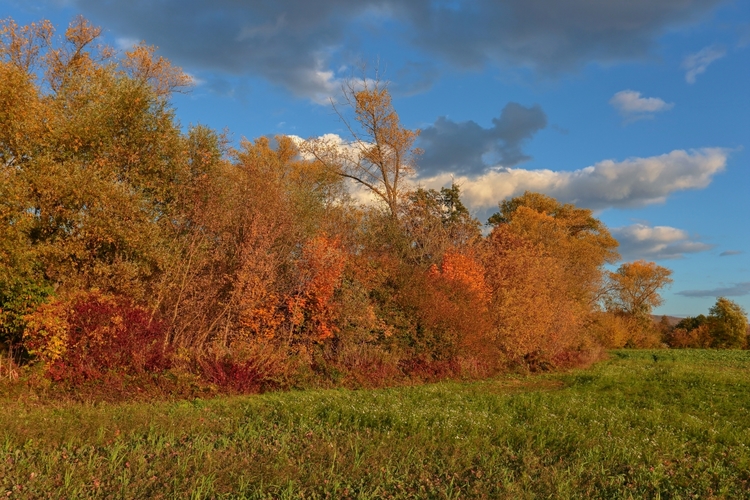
[[94, 333], [696, 338], [247, 367]]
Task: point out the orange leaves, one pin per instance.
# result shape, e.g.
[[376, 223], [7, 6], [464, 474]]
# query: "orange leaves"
[[256, 283], [466, 271], [309, 310], [22, 46], [321, 268], [450, 303], [533, 312]]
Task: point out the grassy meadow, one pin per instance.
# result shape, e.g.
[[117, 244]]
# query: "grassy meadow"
[[642, 424]]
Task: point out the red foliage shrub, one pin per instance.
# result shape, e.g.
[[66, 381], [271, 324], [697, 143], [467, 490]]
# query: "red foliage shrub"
[[247, 368], [236, 376], [107, 333]]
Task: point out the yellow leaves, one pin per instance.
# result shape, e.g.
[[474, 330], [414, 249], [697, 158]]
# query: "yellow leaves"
[[141, 64], [46, 334], [21, 46], [531, 304], [81, 33], [380, 155], [634, 287]]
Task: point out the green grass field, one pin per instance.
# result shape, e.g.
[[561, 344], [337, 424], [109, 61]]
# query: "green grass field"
[[644, 424]]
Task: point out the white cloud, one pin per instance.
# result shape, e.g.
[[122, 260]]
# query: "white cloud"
[[629, 183], [126, 43], [639, 241], [695, 64], [607, 184], [631, 105]]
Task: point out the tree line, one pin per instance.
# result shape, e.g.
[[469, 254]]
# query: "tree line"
[[129, 245]]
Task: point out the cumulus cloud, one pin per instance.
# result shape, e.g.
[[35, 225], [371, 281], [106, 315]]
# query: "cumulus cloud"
[[629, 183], [728, 253], [295, 43], [632, 106], [466, 148], [697, 63], [639, 241], [736, 290], [607, 184]]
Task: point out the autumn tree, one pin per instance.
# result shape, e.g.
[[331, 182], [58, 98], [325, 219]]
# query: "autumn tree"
[[689, 332], [580, 242], [725, 327], [634, 288], [380, 154], [545, 263], [247, 223], [534, 316], [631, 293], [96, 175], [728, 324]]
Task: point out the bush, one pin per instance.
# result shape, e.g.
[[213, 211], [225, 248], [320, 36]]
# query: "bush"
[[247, 367], [93, 333], [696, 338]]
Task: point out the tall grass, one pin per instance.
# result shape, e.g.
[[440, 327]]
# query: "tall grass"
[[644, 424]]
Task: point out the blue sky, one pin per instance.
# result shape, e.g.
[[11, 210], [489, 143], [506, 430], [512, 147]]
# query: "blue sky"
[[638, 109]]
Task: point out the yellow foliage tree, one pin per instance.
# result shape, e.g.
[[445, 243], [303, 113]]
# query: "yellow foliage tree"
[[380, 154]]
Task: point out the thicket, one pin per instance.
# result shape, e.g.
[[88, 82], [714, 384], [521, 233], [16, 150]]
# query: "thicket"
[[128, 245], [725, 327]]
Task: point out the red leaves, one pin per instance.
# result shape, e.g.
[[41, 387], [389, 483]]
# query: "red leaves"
[[103, 333]]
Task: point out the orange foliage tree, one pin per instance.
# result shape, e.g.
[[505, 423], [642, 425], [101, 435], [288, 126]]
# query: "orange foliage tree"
[[312, 308], [550, 278], [634, 287], [460, 304]]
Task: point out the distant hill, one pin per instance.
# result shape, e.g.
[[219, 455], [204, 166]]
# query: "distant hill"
[[673, 320]]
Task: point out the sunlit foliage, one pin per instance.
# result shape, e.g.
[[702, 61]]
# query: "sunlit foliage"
[[129, 244]]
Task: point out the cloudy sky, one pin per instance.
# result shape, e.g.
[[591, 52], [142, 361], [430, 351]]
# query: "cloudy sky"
[[638, 109]]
